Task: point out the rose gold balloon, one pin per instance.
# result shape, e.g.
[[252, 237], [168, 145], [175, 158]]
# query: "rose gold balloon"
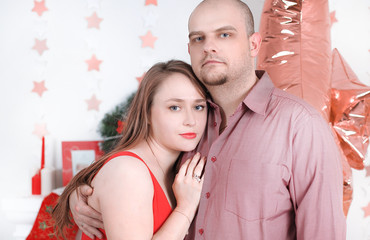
[[296, 49], [347, 178], [350, 104]]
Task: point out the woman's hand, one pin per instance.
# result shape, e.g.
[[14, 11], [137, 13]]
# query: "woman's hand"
[[188, 185]]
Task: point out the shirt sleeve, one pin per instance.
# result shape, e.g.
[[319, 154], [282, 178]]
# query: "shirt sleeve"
[[317, 181]]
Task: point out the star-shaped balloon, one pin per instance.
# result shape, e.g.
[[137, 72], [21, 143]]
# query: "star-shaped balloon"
[[39, 7], [148, 40], [333, 19], [39, 87], [93, 103], [366, 210], [40, 46], [148, 2], [93, 63], [40, 130], [139, 79], [94, 21], [350, 111]]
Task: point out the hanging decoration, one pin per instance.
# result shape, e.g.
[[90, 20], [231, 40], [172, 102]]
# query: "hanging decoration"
[[40, 46], [94, 21], [93, 103], [39, 7], [93, 63], [148, 40], [39, 87]]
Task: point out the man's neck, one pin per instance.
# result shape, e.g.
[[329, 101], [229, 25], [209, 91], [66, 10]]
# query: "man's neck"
[[230, 95]]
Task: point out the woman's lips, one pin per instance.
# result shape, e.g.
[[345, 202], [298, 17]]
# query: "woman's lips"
[[188, 135]]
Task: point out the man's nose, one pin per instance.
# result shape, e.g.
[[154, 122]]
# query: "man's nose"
[[209, 46]]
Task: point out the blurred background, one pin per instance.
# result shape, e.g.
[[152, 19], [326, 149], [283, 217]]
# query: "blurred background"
[[65, 64]]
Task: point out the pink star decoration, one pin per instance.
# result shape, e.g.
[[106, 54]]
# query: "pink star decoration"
[[40, 46], [93, 63], [39, 87], [148, 40], [366, 210], [139, 79], [40, 130], [39, 7], [93, 103], [333, 19], [148, 2], [94, 21]]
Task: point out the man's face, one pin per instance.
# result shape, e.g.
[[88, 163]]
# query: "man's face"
[[218, 43]]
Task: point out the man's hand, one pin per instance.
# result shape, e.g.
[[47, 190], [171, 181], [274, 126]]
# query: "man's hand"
[[86, 218]]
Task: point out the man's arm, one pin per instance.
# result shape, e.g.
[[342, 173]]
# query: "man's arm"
[[86, 218], [316, 185]]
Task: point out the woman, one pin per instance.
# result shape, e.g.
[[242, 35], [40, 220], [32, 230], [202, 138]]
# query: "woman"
[[132, 183]]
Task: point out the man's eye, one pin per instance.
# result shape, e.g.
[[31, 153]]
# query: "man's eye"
[[225, 35], [174, 108], [198, 39]]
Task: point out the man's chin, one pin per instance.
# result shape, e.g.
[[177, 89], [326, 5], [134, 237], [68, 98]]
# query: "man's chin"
[[214, 81]]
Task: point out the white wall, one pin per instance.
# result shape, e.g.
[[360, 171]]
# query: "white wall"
[[63, 108]]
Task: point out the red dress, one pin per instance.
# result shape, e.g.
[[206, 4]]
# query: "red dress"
[[161, 206]]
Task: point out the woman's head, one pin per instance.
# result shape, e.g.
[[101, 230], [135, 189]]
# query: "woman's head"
[[137, 127]]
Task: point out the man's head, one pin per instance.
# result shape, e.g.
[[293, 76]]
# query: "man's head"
[[222, 42]]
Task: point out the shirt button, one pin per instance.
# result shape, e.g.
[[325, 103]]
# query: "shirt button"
[[215, 124], [201, 231], [208, 195], [213, 159]]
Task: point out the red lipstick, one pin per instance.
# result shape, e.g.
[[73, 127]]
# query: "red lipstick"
[[189, 135]]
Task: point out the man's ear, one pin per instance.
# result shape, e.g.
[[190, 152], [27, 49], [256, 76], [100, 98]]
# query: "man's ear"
[[188, 49], [255, 43]]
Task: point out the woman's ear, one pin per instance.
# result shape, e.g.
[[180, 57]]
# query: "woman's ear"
[[255, 43]]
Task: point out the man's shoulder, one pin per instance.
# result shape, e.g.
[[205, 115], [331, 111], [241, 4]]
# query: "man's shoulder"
[[292, 103]]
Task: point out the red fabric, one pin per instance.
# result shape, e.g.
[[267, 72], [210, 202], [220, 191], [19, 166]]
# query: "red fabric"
[[161, 206], [43, 227]]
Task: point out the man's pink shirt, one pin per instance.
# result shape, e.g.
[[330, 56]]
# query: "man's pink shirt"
[[273, 173]]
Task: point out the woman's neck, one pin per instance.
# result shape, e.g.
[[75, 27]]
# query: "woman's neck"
[[160, 156]]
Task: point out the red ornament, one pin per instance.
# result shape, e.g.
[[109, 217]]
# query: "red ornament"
[[120, 124]]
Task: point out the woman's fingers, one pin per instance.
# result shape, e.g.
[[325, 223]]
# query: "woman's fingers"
[[192, 164], [199, 167]]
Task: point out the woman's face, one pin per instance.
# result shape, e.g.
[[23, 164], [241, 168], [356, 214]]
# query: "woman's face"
[[178, 114]]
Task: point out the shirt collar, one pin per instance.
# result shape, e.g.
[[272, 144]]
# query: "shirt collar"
[[259, 96]]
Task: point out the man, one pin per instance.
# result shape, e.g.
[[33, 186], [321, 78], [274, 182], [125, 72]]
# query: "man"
[[273, 169]]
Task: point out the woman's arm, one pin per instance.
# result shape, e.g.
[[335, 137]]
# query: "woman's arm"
[[124, 191]]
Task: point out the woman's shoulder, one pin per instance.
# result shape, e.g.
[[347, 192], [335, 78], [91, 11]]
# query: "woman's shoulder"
[[125, 164], [122, 176]]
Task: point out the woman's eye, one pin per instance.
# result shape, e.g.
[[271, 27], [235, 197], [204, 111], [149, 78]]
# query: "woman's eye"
[[199, 107], [175, 108], [225, 35]]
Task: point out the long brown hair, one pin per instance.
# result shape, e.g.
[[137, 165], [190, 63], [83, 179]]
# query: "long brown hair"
[[136, 129]]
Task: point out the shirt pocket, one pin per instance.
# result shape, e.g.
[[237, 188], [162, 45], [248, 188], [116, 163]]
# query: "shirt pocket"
[[252, 189]]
